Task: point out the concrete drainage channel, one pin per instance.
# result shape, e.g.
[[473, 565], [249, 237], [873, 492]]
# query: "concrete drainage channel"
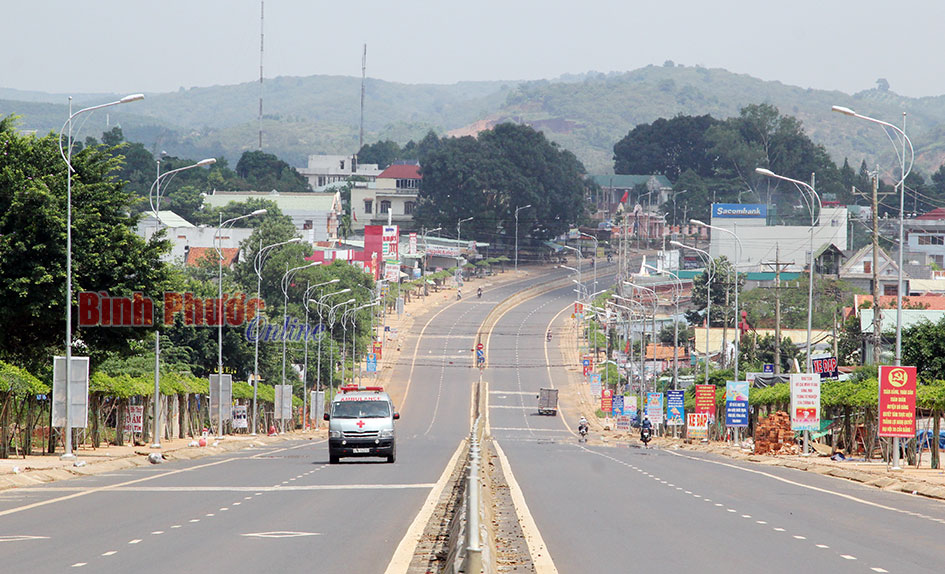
[[474, 527]]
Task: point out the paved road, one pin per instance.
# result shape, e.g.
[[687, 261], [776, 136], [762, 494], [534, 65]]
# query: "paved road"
[[275, 508], [622, 509]]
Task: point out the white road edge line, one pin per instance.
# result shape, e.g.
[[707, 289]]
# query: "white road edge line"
[[400, 561], [541, 558]]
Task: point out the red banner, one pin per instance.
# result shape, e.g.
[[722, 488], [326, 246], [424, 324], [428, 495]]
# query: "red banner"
[[607, 400], [897, 401], [378, 345], [705, 400]]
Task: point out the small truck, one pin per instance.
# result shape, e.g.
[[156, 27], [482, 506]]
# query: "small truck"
[[548, 402]]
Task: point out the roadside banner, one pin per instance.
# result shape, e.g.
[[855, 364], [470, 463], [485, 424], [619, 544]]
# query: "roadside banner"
[[239, 417], [805, 402], [826, 367], [623, 422], [595, 389], [768, 368], [372, 362], [697, 426], [595, 378], [283, 402], [736, 403], [79, 389], [675, 410], [378, 346], [897, 401], [630, 406], [705, 400], [134, 418], [617, 405], [606, 400], [654, 407]]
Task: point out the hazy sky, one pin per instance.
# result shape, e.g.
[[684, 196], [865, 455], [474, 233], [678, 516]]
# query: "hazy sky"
[[135, 46]]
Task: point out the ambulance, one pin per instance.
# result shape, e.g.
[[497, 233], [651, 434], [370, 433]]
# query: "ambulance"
[[361, 423]]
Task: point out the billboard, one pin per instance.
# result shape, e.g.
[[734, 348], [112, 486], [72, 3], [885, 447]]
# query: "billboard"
[[736, 403], [675, 411], [805, 402], [897, 401], [654, 408], [739, 210], [705, 400]]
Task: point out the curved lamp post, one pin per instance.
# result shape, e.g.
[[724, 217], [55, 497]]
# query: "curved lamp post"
[[258, 261], [154, 198], [677, 292], [67, 157], [708, 296], [810, 289], [305, 302], [738, 257], [286, 280], [218, 246], [517, 209], [320, 304]]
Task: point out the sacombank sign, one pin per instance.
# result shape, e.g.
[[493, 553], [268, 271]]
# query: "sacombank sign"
[[739, 210]]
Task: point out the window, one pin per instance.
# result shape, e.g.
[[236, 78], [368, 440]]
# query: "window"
[[408, 208], [867, 267], [932, 240], [385, 206], [368, 206]]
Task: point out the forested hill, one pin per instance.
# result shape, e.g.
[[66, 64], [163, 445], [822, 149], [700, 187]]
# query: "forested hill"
[[586, 114]]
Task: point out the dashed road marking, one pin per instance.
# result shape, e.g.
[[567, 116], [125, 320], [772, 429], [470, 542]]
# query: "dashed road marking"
[[135, 541], [847, 557], [109, 553], [79, 564], [158, 532]]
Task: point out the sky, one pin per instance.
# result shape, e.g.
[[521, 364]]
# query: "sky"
[[124, 46]]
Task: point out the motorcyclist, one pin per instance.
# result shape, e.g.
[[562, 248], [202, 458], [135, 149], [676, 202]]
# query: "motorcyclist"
[[459, 293], [479, 292], [582, 425], [548, 335], [646, 429]]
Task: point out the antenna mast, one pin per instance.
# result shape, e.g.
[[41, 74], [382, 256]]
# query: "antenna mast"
[[262, 15], [363, 73]]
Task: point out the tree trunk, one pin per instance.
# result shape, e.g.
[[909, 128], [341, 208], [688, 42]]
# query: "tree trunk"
[[4, 426], [96, 404], [182, 415], [120, 423], [936, 429]]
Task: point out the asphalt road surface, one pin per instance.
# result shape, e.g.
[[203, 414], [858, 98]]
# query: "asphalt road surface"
[[626, 509], [269, 509]]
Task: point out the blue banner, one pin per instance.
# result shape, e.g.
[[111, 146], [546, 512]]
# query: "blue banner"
[[616, 406], [736, 413], [675, 411], [739, 210]]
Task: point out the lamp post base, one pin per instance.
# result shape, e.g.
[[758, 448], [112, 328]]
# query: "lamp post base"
[[68, 456]]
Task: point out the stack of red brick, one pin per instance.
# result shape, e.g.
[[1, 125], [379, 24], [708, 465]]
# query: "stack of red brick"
[[773, 435]]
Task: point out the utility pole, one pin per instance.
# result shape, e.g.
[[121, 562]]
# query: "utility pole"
[[777, 264], [363, 76], [877, 308]]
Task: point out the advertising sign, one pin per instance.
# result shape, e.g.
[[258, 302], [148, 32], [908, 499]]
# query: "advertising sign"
[[372, 362], [623, 422], [239, 417], [390, 242], [283, 402], [736, 390], [392, 271], [630, 406], [79, 389], [675, 410], [134, 418], [606, 400], [736, 413], [442, 251], [616, 408], [378, 345], [826, 367], [317, 401], [697, 426], [805, 402], [897, 401], [739, 210], [587, 364], [216, 382], [654, 407], [412, 244], [768, 368], [705, 400]]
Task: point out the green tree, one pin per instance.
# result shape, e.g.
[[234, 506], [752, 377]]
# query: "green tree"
[[923, 345], [264, 171], [667, 147], [382, 153]]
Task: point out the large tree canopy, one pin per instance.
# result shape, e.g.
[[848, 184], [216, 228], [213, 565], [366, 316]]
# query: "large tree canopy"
[[667, 147], [487, 178]]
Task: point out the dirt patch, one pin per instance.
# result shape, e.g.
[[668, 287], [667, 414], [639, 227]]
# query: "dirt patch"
[[506, 541]]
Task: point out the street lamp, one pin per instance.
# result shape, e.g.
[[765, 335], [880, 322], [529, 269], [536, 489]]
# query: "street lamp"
[[643, 331], [286, 279], [596, 244], [708, 296], [810, 289], [305, 302], [459, 224], [67, 157], [677, 291], [331, 340], [517, 209], [426, 247], [738, 258], [904, 172], [218, 246], [154, 197], [318, 369], [258, 263]]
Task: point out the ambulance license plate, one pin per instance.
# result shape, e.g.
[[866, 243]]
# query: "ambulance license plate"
[[362, 450]]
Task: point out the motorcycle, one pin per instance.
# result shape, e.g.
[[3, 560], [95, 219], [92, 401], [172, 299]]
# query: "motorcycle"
[[459, 295], [645, 435], [479, 293], [548, 336], [582, 430]]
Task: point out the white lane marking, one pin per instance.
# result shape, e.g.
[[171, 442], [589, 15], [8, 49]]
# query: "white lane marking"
[[717, 504], [779, 530], [878, 570], [224, 509], [511, 393], [541, 557], [280, 534], [176, 526], [79, 564], [822, 546], [86, 492], [760, 522], [195, 520], [795, 483], [135, 541], [248, 497], [109, 553], [731, 510], [20, 537], [800, 537], [158, 532], [746, 515], [211, 514], [521, 429], [847, 557], [236, 504], [400, 561]]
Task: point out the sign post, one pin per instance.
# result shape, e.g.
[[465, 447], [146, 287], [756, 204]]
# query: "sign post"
[[897, 387], [675, 409], [705, 402], [736, 405], [805, 404]]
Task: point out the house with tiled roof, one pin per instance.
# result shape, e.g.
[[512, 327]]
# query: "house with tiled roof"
[[189, 242], [392, 197], [197, 256], [315, 215]]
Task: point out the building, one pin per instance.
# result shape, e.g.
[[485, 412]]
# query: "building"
[[315, 215], [858, 271], [191, 244], [926, 234], [324, 170], [614, 187], [761, 242], [391, 198]]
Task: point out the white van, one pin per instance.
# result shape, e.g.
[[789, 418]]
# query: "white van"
[[361, 423]]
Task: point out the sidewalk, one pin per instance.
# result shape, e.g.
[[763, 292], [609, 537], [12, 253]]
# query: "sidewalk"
[[922, 481], [37, 469]]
